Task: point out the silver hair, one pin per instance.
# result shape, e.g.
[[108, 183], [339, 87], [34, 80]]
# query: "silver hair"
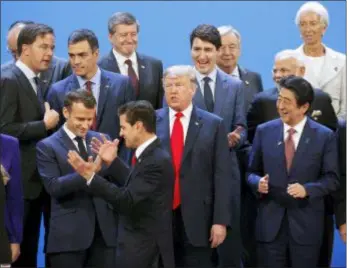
[[228, 29], [180, 70], [121, 18], [314, 7], [288, 54]]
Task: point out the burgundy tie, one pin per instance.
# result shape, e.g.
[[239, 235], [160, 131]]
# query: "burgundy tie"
[[133, 77], [177, 145], [289, 148], [133, 160], [88, 86]]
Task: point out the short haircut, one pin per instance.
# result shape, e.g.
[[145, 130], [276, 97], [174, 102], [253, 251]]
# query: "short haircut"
[[20, 22], [30, 32], [180, 70], [139, 111], [79, 96], [121, 18], [84, 35], [207, 33], [302, 89], [228, 29], [314, 7], [290, 53]]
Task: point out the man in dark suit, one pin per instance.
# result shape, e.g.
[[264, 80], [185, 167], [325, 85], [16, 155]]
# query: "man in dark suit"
[[57, 70], [340, 199], [110, 90], [83, 227], [24, 114], [293, 166], [227, 102], [198, 144], [144, 197], [145, 72]]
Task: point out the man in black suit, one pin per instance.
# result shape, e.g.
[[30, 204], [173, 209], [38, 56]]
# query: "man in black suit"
[[145, 72], [144, 199], [57, 70], [23, 114]]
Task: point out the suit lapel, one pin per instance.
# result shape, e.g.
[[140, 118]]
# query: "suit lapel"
[[46, 78], [74, 84], [112, 63], [104, 87], [220, 93], [280, 146], [198, 98], [65, 141], [142, 69], [331, 67], [163, 128]]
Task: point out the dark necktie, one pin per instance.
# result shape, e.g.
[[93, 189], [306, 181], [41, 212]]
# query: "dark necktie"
[[88, 86], [177, 146], [81, 148], [39, 93], [133, 77], [289, 148], [208, 95]]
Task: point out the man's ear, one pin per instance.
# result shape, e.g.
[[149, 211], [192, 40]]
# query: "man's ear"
[[66, 113]]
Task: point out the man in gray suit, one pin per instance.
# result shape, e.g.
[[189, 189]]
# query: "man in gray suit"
[[58, 69]]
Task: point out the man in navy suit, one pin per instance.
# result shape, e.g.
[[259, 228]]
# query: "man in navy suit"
[[109, 89], [222, 95], [142, 195], [145, 72], [197, 141], [293, 166], [83, 227]]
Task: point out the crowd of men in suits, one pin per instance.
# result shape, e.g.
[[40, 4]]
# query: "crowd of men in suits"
[[135, 166]]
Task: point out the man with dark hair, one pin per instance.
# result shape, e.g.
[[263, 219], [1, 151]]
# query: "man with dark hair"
[[83, 228], [144, 197], [145, 72], [23, 114], [293, 166], [109, 89], [222, 95], [57, 70]]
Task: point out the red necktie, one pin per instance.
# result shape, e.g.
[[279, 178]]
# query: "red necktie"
[[133, 160], [289, 148], [177, 145], [133, 77], [88, 85]]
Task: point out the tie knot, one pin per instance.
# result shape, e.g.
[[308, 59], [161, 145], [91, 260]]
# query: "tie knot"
[[178, 115], [291, 131], [207, 79], [36, 80], [78, 139], [88, 85], [128, 62]]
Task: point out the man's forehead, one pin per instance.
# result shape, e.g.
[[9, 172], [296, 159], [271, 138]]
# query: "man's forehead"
[[176, 77]]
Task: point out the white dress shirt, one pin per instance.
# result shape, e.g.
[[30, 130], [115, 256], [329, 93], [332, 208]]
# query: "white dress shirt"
[[185, 119], [72, 137], [96, 81], [28, 73], [123, 67], [143, 146], [299, 128], [213, 77]]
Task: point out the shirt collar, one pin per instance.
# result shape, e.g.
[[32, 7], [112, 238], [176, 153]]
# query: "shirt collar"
[[25, 69], [212, 75], [143, 146], [121, 59], [299, 127], [235, 72], [71, 135], [186, 113], [95, 79]]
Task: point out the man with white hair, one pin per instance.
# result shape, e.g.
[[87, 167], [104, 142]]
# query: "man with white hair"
[[325, 68], [263, 108]]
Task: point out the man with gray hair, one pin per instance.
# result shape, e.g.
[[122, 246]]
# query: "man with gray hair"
[[325, 67], [145, 72], [228, 60], [195, 138]]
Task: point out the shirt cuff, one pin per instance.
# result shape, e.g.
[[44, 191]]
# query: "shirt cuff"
[[90, 180]]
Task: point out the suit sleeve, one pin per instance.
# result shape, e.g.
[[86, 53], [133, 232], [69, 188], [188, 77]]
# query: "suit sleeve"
[[9, 98], [160, 95], [342, 112], [117, 172], [328, 181], [124, 199], [14, 198], [254, 118], [239, 114], [222, 173], [56, 185]]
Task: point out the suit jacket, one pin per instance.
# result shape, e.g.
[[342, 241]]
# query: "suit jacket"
[[263, 109], [204, 173], [73, 208], [115, 90], [21, 116], [340, 198], [252, 84], [58, 70], [5, 253], [14, 206], [314, 166], [228, 104], [144, 203], [333, 78], [150, 77]]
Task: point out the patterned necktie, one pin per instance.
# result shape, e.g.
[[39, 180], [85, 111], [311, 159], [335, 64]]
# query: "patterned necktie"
[[177, 146], [289, 148], [208, 95], [81, 148], [88, 86], [133, 77], [39, 93]]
